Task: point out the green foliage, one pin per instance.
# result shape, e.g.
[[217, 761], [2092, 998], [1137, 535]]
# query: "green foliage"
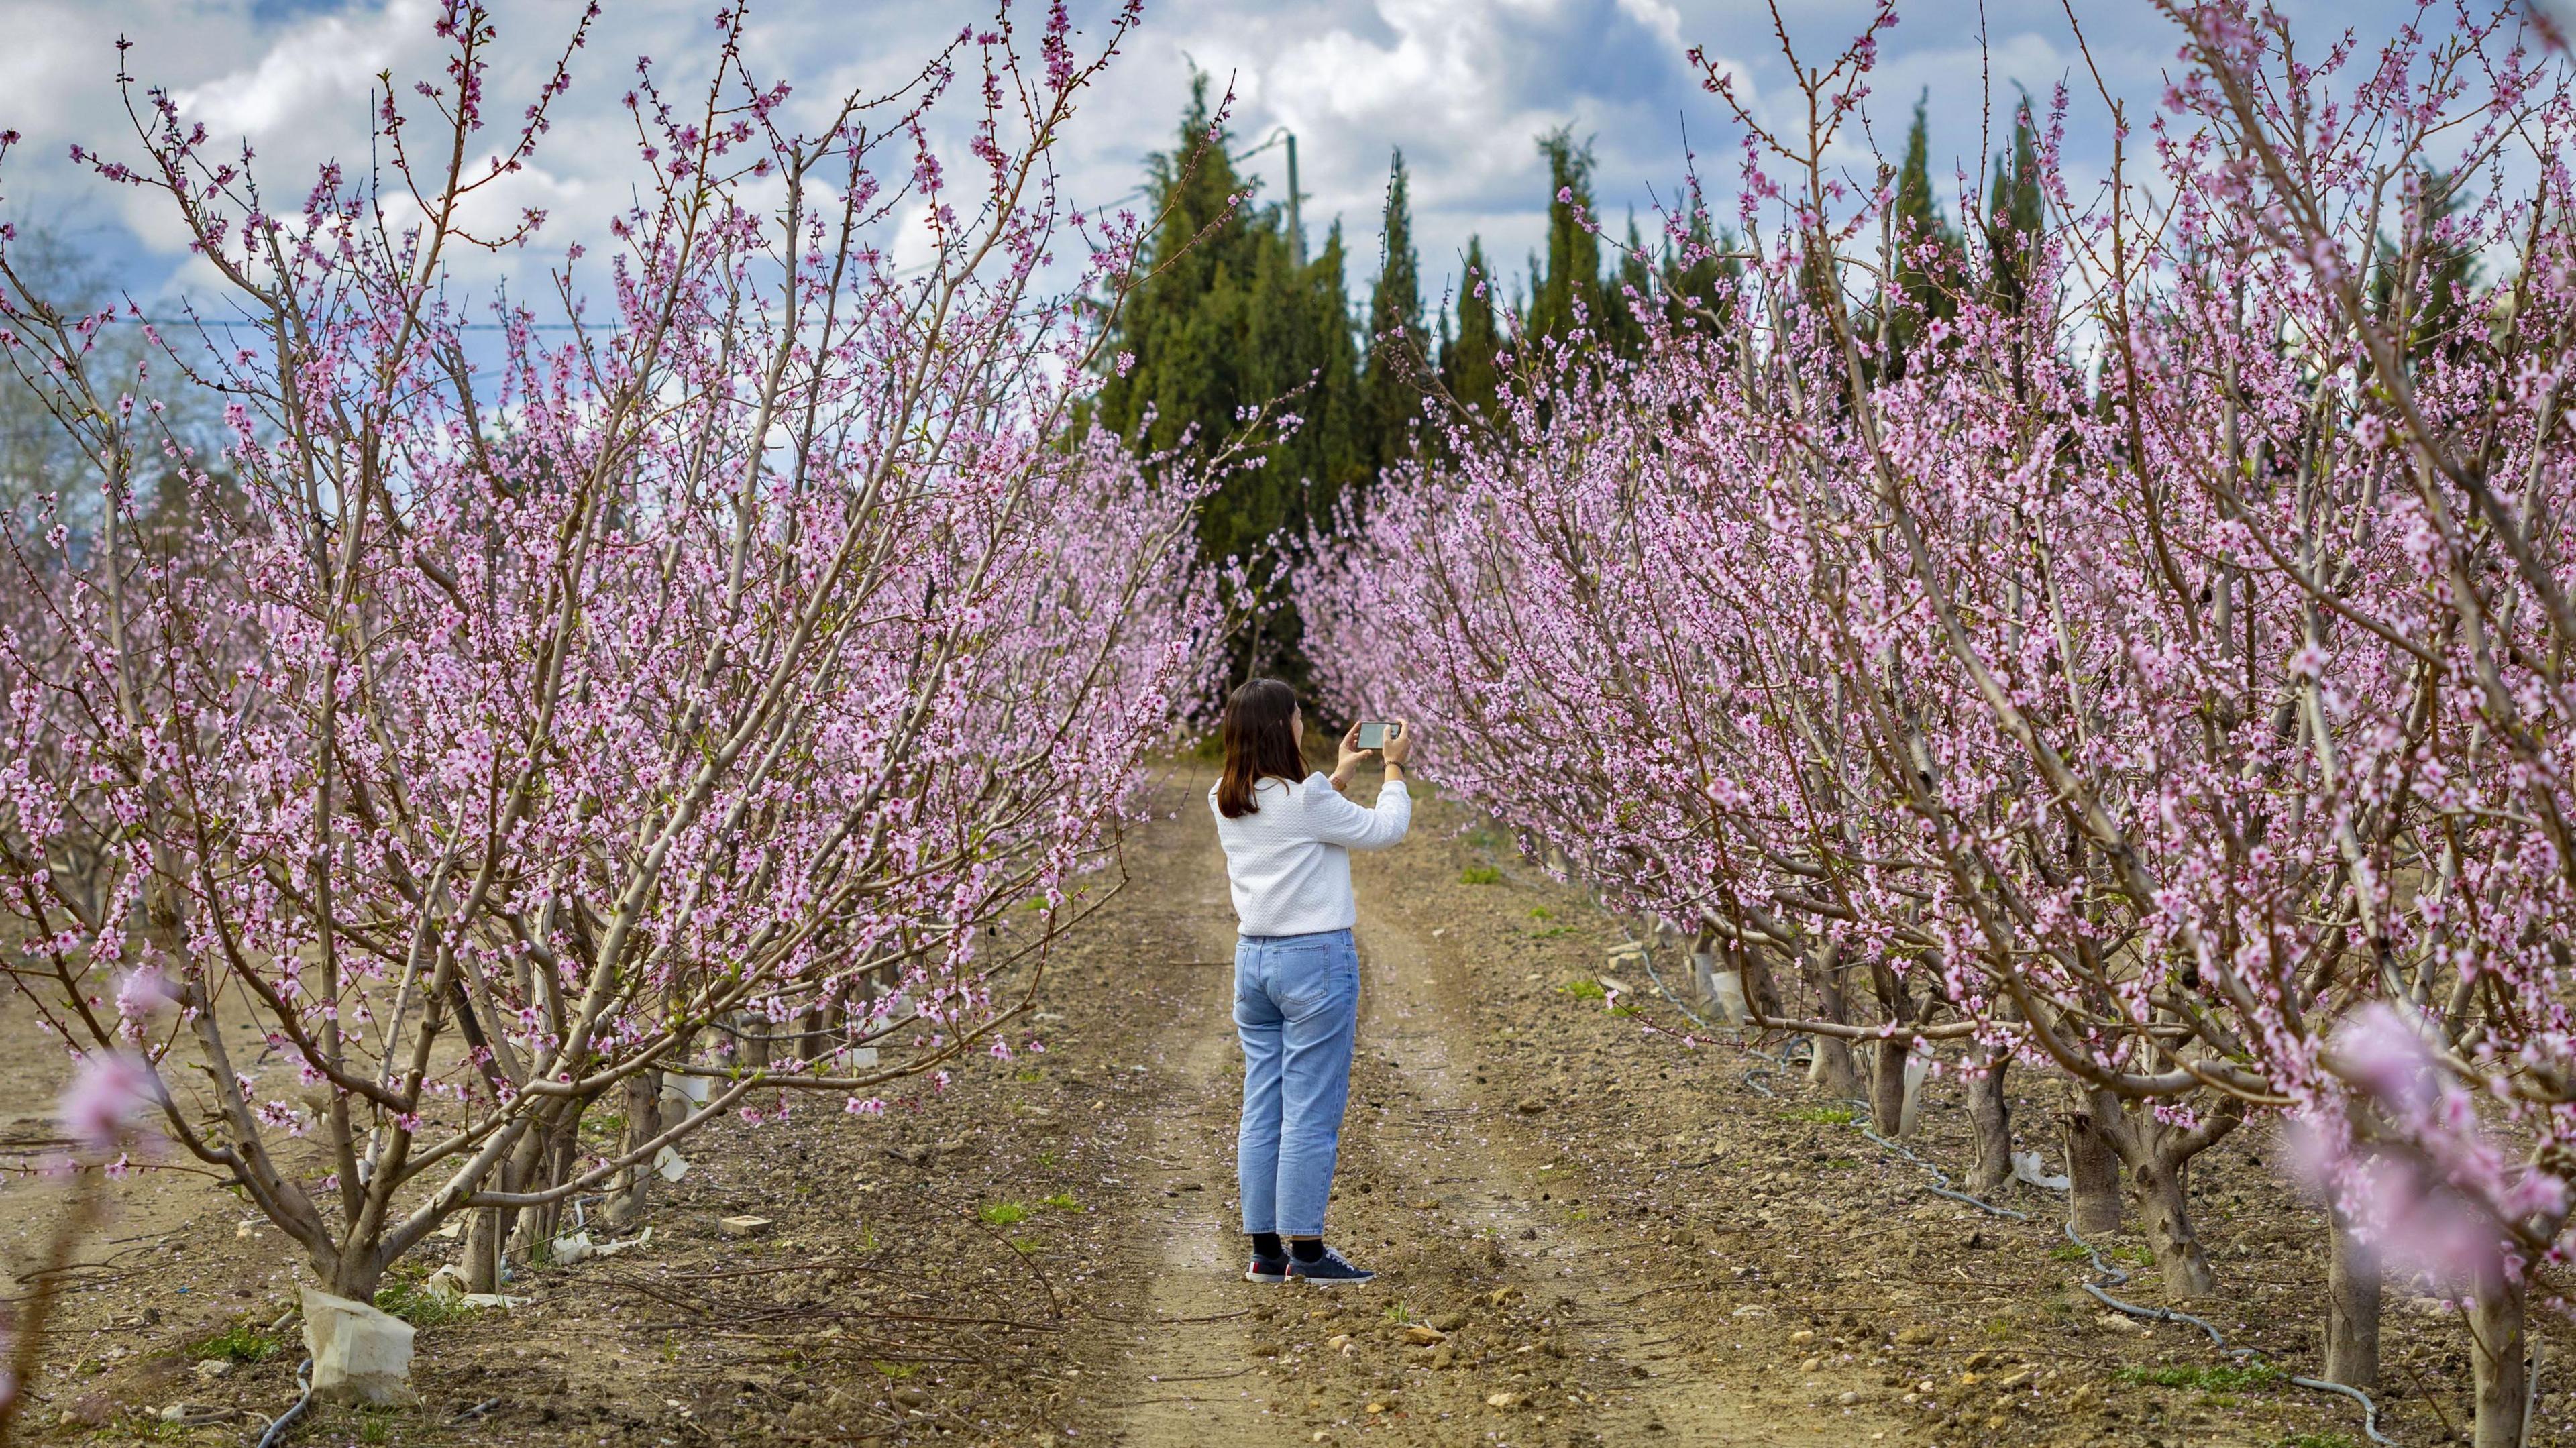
[[1568, 279], [1585, 990], [242, 1343], [1467, 361], [2427, 297], [1062, 1202], [2229, 1379], [1540, 912], [1480, 875], [1002, 1214], [2014, 216], [1930, 264], [1820, 1115], [409, 1302], [1228, 316], [1399, 349]]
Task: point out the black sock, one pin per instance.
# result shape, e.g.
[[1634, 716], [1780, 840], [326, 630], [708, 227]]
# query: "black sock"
[[1265, 1245], [1308, 1249]]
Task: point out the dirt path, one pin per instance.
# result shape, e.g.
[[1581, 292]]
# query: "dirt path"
[[1498, 1318]]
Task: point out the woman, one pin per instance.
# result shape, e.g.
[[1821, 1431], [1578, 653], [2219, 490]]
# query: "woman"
[[1288, 835]]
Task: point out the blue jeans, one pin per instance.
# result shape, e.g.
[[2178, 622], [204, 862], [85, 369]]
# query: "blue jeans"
[[1297, 1007]]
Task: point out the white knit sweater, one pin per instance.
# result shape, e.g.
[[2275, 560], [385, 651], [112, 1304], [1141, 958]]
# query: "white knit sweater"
[[1290, 860]]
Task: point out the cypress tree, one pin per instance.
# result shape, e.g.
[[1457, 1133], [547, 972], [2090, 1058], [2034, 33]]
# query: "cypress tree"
[[1570, 279], [1929, 261], [1699, 279], [1624, 302], [1398, 348], [1227, 319], [1467, 367], [2013, 219]]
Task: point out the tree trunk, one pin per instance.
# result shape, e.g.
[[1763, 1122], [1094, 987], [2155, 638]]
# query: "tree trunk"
[[2497, 1363], [484, 1229], [2092, 1173], [755, 1041], [1887, 1086], [632, 1191], [357, 1276], [1832, 1067], [2158, 1156], [2163, 1201], [1990, 1115], [2352, 1308]]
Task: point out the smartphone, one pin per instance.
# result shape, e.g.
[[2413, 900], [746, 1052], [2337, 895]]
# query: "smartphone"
[[1375, 733]]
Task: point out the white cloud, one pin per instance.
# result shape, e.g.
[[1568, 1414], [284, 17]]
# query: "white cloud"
[[1462, 86]]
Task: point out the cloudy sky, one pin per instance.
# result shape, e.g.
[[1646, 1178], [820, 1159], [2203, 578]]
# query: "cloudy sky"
[[1462, 86]]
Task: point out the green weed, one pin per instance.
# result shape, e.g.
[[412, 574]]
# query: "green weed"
[[1062, 1202], [1398, 1312], [2068, 1254], [407, 1301], [1002, 1214], [241, 1343], [1047, 1157], [1480, 875], [897, 1370], [1027, 1073], [1821, 1115], [1541, 912], [2229, 1379], [2326, 1439], [1585, 990], [1026, 1246]]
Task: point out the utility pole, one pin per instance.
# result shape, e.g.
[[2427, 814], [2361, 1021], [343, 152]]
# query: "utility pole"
[[1296, 229]]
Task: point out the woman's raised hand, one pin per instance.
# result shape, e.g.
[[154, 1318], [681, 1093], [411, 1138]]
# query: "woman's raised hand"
[[1347, 767], [1399, 742]]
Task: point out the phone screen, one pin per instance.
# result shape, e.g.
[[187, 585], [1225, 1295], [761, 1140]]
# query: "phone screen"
[[1372, 735]]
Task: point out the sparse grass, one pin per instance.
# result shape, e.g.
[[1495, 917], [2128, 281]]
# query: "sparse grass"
[[1551, 932], [2000, 1327], [1002, 1214], [1541, 912], [1838, 1163], [2229, 1379], [1625, 1010], [1398, 1312], [374, 1429], [407, 1301], [2329, 1438], [1026, 1246], [1061, 1201], [1821, 1115], [241, 1343], [1585, 990], [1026, 1073], [2135, 1256], [897, 1371], [2067, 1254], [1480, 875], [1047, 1157]]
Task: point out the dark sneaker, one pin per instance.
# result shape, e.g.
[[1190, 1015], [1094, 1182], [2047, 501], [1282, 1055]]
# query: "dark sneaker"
[[1328, 1269], [1267, 1269]]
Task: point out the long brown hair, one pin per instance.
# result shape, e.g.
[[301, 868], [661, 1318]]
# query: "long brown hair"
[[1260, 742]]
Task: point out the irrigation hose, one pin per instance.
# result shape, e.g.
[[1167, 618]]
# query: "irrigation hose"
[[276, 1433]]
